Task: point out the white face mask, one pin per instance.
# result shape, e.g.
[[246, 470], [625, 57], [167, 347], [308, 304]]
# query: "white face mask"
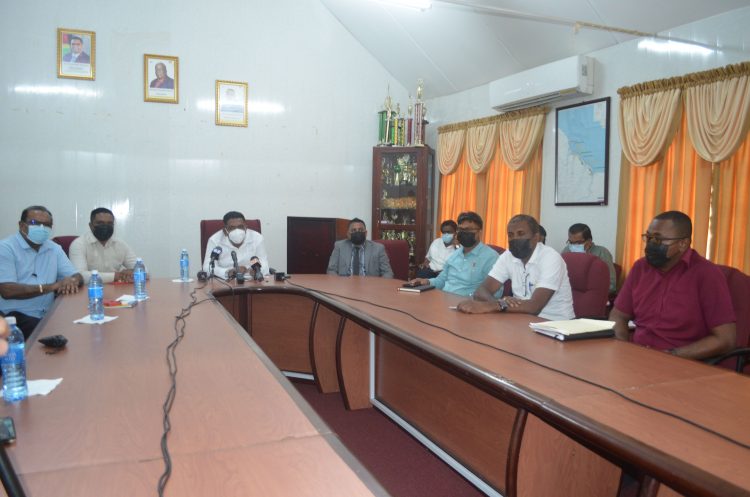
[[579, 248], [237, 236]]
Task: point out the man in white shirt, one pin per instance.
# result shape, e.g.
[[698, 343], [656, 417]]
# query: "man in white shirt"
[[99, 250], [538, 274], [235, 237], [439, 251]]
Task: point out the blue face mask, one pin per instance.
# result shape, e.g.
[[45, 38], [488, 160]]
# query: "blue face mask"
[[38, 234], [577, 247], [447, 238]]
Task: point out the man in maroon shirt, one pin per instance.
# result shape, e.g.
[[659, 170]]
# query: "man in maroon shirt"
[[679, 301]]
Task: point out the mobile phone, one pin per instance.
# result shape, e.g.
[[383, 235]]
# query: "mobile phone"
[[7, 430]]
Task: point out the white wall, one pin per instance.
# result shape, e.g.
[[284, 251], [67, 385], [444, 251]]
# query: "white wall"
[[163, 167], [618, 66]]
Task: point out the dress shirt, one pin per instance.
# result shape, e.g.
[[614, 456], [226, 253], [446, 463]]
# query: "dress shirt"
[[606, 256], [19, 263], [463, 273], [438, 253], [545, 269], [678, 307], [251, 247], [88, 253]]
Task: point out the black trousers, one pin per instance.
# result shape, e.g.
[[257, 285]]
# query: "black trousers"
[[427, 272], [25, 322]]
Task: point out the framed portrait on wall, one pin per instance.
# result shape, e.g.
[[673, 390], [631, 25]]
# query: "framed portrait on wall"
[[161, 78], [582, 153], [76, 54], [231, 103]]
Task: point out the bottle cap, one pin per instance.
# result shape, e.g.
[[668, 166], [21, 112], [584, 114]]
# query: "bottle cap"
[[94, 271], [10, 320]]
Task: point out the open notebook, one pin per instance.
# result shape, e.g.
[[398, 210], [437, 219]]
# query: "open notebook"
[[575, 329]]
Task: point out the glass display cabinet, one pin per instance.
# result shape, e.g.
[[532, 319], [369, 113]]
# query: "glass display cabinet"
[[402, 198]]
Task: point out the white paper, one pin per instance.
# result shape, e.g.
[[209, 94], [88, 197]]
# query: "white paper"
[[42, 387], [126, 298], [87, 320], [180, 281]]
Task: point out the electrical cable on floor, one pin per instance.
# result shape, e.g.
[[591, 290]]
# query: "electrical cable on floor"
[[550, 368]]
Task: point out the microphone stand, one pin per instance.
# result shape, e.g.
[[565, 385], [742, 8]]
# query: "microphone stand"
[[8, 476]]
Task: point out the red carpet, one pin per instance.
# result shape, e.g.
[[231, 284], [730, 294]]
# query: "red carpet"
[[402, 465]]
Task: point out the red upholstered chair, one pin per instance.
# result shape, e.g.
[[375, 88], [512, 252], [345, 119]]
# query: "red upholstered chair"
[[589, 280], [739, 288], [64, 241], [508, 286], [398, 255], [211, 226], [496, 248]]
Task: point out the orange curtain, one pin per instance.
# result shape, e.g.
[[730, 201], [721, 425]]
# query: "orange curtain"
[[730, 220], [681, 180], [458, 192], [511, 192]]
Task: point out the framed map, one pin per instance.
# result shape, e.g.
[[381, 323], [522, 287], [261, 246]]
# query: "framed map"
[[582, 153]]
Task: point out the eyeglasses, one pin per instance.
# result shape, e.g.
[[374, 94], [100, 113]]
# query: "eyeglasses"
[[467, 230], [579, 242], [34, 222], [357, 231], [658, 240]]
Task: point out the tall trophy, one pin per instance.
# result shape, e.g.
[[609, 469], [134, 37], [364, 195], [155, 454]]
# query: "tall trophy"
[[419, 113]]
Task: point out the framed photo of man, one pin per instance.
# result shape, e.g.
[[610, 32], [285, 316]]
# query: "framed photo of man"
[[161, 77], [76, 54], [231, 103]]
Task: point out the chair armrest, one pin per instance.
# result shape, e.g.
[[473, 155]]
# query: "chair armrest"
[[742, 355]]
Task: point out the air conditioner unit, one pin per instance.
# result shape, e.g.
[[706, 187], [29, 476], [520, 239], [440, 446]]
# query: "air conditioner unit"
[[566, 78]]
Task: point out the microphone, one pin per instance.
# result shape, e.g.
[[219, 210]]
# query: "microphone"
[[255, 264], [215, 253], [240, 277]]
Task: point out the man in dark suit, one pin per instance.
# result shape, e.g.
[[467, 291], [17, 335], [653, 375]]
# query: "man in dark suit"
[[76, 53], [357, 256]]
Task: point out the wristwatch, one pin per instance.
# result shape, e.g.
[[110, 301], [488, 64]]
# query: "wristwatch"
[[502, 305]]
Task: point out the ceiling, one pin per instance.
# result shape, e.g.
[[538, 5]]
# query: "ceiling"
[[461, 44]]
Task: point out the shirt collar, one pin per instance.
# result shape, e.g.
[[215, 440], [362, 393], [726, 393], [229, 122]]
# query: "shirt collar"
[[534, 255], [91, 239]]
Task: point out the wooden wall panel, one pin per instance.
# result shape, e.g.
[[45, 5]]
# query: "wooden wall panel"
[[281, 327], [353, 363], [323, 346]]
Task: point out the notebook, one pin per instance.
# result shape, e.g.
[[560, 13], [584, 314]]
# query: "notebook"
[[415, 289], [575, 329]]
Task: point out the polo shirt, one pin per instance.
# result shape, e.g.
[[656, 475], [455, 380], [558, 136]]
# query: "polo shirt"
[[605, 255], [545, 269], [87, 253], [438, 253], [463, 273], [19, 263], [678, 307]]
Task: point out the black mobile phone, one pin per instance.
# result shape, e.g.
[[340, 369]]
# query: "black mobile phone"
[[7, 430]]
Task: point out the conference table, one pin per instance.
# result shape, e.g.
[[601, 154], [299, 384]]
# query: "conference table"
[[519, 414]]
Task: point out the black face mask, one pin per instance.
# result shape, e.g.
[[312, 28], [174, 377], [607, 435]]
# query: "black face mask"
[[103, 232], [520, 248], [467, 238], [656, 255], [358, 237]]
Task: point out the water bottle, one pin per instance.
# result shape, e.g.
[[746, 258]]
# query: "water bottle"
[[14, 365], [139, 280], [184, 265], [96, 297]]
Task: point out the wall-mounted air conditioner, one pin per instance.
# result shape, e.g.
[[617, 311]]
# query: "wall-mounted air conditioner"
[[566, 78]]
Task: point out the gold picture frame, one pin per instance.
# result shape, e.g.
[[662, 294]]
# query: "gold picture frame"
[[76, 54], [231, 103], [158, 85]]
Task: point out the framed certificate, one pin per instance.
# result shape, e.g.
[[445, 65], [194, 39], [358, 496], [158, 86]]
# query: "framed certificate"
[[231, 103]]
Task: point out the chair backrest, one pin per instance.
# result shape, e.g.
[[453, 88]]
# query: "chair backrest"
[[496, 248], [64, 241], [508, 286], [211, 226], [398, 255], [589, 280], [739, 289]]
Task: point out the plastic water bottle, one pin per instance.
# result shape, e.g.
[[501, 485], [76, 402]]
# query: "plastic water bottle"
[[184, 265], [14, 365], [96, 297], [139, 280]]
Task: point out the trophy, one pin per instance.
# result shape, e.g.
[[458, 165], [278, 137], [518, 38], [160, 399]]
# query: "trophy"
[[419, 113]]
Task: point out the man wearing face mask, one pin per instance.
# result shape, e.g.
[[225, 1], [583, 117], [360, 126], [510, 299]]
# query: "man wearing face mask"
[[247, 244], [99, 250], [538, 275], [439, 251], [357, 256], [581, 241], [33, 269], [465, 270], [680, 302]]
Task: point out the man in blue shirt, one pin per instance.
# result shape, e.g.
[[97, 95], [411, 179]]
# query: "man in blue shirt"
[[467, 267], [33, 269]]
